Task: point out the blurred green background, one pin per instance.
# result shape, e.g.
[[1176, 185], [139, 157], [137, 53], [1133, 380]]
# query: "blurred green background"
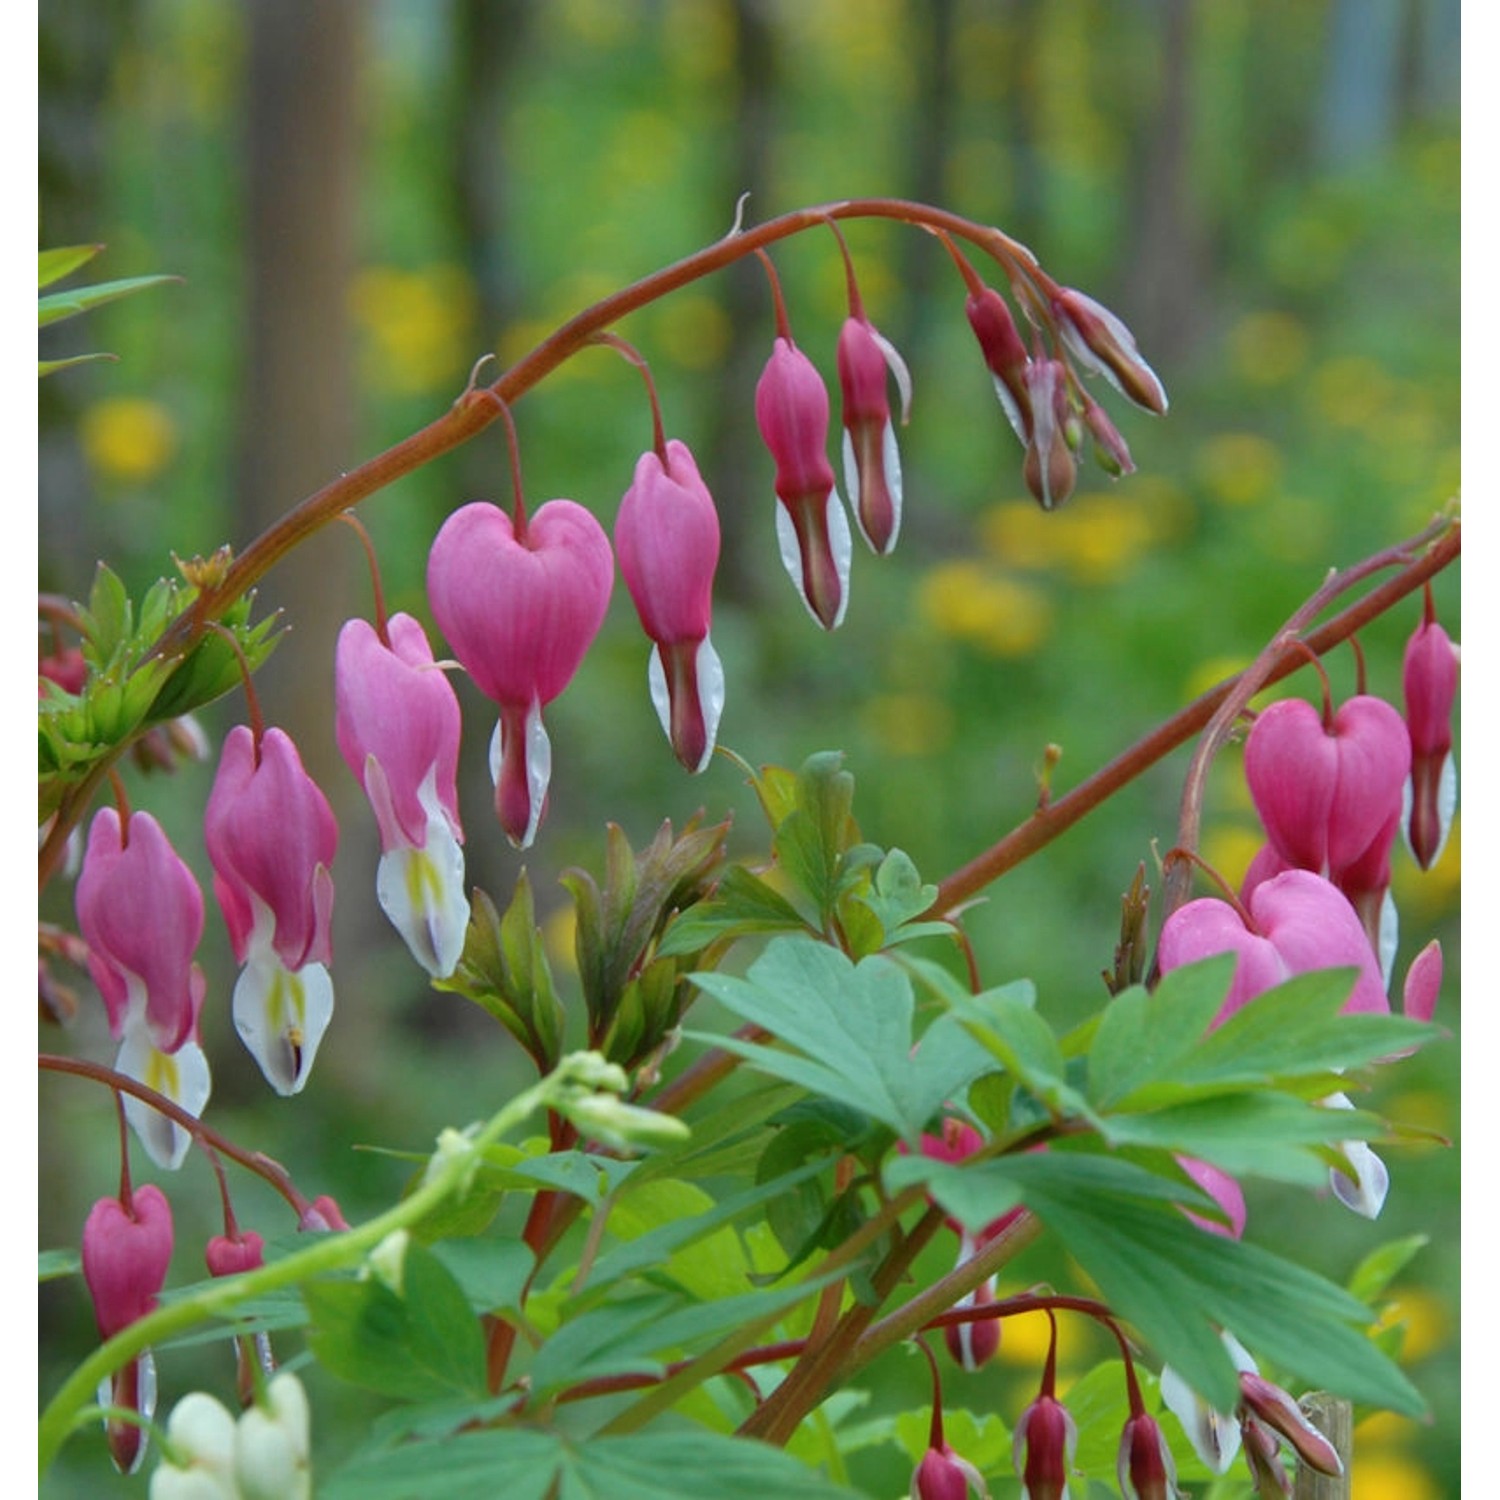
[[362, 198]]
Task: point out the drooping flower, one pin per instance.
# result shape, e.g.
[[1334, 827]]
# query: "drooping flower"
[[519, 613], [872, 460], [944, 1475], [1327, 792], [1043, 1446], [271, 838], [397, 720], [181, 1076], [1215, 1435], [667, 540], [1271, 1405], [1145, 1467], [231, 1255], [1102, 343], [201, 1464], [272, 1444], [1004, 354], [1429, 679], [1048, 469], [127, 1248], [141, 913], [791, 409]]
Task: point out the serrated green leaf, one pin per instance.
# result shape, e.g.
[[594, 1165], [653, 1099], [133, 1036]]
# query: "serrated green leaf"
[[53, 265], [1265, 1134], [743, 904], [525, 1464], [852, 1026], [56, 306], [424, 1344], [1143, 1036], [1176, 1284], [1383, 1265], [1005, 1022]]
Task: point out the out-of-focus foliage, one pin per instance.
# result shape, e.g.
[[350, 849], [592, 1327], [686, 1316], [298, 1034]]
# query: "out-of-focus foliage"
[[1256, 186]]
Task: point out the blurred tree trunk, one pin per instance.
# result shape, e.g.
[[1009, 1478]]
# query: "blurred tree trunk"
[[731, 444], [301, 183], [1361, 81], [489, 42], [1164, 289]]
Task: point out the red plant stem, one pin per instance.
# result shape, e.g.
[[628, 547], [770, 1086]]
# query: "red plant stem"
[[254, 1161], [1280, 660]]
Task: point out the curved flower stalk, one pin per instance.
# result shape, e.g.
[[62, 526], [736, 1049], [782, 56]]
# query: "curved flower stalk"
[[271, 837], [397, 720], [667, 540], [520, 610]]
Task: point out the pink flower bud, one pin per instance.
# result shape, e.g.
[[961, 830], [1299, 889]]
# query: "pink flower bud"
[[1005, 355], [872, 461], [1048, 469], [126, 1253], [1326, 793], [1266, 1469], [1145, 1467], [1101, 342], [321, 1216], [1043, 1447], [230, 1256], [943, 1475], [1110, 449], [973, 1345], [667, 540], [791, 409], [1424, 978], [520, 613], [141, 913], [398, 727], [1273, 1406], [66, 668], [1429, 679]]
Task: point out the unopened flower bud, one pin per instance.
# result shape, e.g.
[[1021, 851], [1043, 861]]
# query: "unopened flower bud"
[[1005, 354], [200, 1465], [1145, 1467], [872, 461], [272, 1447], [943, 1475], [1048, 468], [231, 1256], [1429, 679], [1101, 342], [322, 1215], [1043, 1447], [1273, 1406]]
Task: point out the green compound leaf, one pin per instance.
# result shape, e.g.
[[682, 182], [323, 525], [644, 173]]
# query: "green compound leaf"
[[524, 1464], [1178, 1285], [852, 1028]]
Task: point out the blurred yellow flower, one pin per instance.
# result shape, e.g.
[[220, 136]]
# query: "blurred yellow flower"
[[692, 330], [557, 938], [1210, 673], [1229, 848], [1268, 348], [908, 723], [1238, 468], [1352, 391], [128, 439], [415, 326], [1094, 539], [1424, 1317], [1024, 1340], [968, 601], [698, 39], [1390, 1476]]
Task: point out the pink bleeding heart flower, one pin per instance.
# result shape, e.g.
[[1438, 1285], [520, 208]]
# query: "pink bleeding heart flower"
[[1004, 354], [141, 913], [872, 461], [1327, 792], [398, 726], [271, 837], [520, 612], [667, 540], [232, 1255], [944, 1475], [1049, 470], [1103, 344], [127, 1249], [1299, 923], [791, 409], [1429, 680]]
